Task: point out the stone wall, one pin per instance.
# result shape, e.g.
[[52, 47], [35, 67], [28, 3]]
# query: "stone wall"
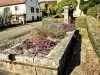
[[52, 64]]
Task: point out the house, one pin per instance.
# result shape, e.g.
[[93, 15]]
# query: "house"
[[58, 1], [78, 12], [21, 10], [47, 2], [47, 7]]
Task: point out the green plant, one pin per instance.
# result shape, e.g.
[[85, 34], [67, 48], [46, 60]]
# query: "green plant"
[[81, 22], [93, 11], [85, 5], [58, 15], [38, 34], [71, 3], [48, 21]]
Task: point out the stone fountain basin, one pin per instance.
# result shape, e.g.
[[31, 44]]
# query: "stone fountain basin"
[[37, 65]]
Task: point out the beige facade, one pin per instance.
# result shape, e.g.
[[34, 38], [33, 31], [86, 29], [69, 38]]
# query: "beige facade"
[[78, 12], [58, 1], [49, 4]]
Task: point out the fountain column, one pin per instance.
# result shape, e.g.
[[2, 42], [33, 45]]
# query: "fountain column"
[[66, 14]]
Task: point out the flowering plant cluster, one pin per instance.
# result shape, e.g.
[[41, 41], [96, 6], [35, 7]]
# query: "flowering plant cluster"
[[37, 41], [59, 29], [40, 47]]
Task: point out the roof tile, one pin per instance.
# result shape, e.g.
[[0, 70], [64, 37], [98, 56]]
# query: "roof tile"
[[11, 2]]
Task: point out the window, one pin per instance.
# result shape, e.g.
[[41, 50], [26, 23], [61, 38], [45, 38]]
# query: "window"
[[32, 9], [6, 10], [16, 8], [37, 10]]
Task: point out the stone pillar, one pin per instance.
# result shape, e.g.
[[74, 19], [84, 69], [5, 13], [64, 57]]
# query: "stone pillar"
[[66, 15]]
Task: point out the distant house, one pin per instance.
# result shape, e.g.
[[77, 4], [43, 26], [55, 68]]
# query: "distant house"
[[21, 10], [47, 2], [78, 12], [58, 1], [47, 7]]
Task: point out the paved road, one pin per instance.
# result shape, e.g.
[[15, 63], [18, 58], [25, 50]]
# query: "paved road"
[[15, 32]]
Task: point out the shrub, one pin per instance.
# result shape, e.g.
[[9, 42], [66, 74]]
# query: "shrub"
[[38, 34], [58, 15], [93, 11], [71, 3], [57, 29], [80, 22], [85, 5], [50, 20], [94, 33], [93, 27]]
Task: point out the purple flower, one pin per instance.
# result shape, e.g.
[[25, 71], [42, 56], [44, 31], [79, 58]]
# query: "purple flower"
[[17, 48]]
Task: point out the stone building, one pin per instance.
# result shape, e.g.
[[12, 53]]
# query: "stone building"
[[25, 10], [49, 3]]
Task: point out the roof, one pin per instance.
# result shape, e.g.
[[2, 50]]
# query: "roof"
[[11, 2], [40, 1]]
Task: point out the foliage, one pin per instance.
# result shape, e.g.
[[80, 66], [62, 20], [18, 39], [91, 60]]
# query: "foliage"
[[93, 11], [57, 30], [5, 17], [71, 3], [58, 15], [42, 46], [80, 22], [93, 27], [44, 12], [38, 34], [48, 10], [85, 5], [48, 21]]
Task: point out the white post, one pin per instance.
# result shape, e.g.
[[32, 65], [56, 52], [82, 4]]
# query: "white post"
[[66, 15]]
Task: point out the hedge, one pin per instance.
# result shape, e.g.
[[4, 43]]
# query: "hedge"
[[50, 20], [93, 27], [81, 22]]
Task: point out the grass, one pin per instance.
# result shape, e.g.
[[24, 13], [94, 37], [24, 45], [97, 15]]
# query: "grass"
[[84, 33]]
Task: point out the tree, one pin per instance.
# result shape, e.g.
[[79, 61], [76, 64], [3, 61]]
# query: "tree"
[[71, 3], [93, 11], [85, 5]]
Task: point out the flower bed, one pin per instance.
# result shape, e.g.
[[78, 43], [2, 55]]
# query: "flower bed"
[[42, 40], [43, 47]]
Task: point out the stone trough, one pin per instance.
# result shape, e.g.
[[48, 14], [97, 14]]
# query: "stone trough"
[[52, 64]]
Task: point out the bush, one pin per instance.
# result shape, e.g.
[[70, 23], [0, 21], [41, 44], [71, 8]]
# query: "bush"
[[58, 15], [38, 34], [71, 3], [94, 33], [85, 5], [80, 22], [57, 29], [50, 20], [93, 11], [93, 27]]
